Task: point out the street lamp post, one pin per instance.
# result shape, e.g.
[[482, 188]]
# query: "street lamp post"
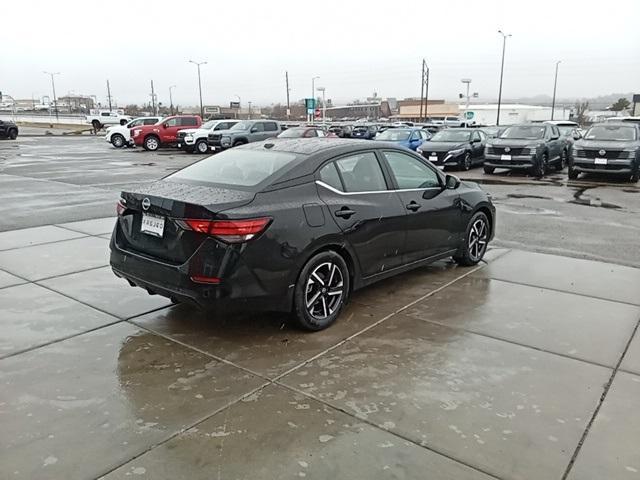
[[249, 103], [199, 85], [171, 98], [53, 87], [504, 45], [239, 105], [313, 95], [467, 82], [555, 84], [324, 106]]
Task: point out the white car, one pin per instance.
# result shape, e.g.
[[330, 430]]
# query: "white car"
[[101, 118], [120, 135], [195, 139]]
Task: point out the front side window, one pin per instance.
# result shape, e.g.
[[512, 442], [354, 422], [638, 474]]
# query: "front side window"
[[361, 173], [257, 128], [150, 121], [310, 133], [410, 172], [173, 122], [135, 123]]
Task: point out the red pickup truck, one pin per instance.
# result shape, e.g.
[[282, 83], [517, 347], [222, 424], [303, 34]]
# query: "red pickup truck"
[[152, 137]]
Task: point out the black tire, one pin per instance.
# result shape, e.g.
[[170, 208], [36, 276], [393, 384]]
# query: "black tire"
[[635, 176], [151, 143], [117, 140], [321, 291], [489, 170], [562, 162], [201, 147], [239, 142], [13, 134], [476, 240], [96, 125], [572, 173], [465, 162], [540, 167]]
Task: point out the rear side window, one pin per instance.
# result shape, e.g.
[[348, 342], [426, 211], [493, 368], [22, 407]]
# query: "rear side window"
[[189, 121], [329, 175], [361, 173], [236, 167], [270, 127]]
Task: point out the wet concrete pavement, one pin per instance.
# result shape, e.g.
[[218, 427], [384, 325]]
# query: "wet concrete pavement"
[[454, 373], [526, 367]]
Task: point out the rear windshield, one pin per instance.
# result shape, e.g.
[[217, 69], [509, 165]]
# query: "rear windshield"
[[236, 167], [394, 135], [611, 132]]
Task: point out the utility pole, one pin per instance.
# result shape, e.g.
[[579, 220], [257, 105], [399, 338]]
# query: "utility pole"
[[153, 99], [286, 76], [171, 98], [313, 95], [555, 84], [421, 89], [199, 85], [426, 95], [249, 110], [53, 87], [504, 44], [109, 94], [324, 106]]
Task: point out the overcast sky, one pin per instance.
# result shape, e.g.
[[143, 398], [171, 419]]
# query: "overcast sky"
[[355, 47]]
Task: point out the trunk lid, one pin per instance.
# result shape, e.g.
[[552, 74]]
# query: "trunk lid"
[[172, 201]]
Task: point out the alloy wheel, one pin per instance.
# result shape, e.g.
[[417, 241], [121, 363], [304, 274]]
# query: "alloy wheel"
[[324, 290], [118, 141], [478, 239]]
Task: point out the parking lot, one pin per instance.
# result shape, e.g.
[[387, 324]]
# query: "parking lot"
[[525, 367]]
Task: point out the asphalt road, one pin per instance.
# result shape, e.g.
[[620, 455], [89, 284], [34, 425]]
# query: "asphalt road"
[[51, 180]]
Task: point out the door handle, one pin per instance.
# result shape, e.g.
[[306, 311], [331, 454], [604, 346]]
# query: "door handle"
[[344, 212], [413, 206]]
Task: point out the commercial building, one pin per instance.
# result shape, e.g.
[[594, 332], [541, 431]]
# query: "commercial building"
[[511, 113]]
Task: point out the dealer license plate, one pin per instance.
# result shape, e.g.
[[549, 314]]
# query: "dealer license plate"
[[152, 225], [505, 157], [433, 158], [600, 161], [179, 145]]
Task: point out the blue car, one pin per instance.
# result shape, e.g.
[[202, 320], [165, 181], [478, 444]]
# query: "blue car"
[[410, 137]]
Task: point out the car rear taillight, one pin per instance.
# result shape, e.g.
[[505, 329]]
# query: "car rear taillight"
[[120, 206], [231, 231]]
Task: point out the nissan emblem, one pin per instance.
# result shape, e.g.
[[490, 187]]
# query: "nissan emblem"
[[507, 149], [146, 203], [602, 153]]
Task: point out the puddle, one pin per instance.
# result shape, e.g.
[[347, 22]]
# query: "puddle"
[[523, 195], [591, 202]]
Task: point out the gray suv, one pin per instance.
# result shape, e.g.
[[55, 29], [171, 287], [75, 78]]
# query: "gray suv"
[[243, 132]]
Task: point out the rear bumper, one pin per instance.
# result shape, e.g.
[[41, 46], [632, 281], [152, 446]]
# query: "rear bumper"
[[239, 288], [516, 162]]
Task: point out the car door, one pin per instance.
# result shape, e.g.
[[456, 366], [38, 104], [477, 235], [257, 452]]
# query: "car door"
[[257, 132], [370, 216], [270, 130], [434, 216], [415, 140], [170, 130], [477, 146]]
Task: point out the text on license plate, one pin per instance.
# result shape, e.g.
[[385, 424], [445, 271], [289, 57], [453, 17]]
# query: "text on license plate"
[[600, 161], [505, 157], [152, 225]]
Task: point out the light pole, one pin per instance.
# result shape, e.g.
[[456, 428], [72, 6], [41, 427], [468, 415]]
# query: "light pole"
[[197, 64], [249, 103], [467, 82], [324, 106], [504, 45], [313, 95], [555, 84], [239, 105], [53, 87], [171, 98]]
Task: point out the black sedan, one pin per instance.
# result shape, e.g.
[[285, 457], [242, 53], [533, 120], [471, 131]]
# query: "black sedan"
[[460, 147], [295, 225]]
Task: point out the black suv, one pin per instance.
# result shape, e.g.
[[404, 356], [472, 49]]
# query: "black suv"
[[8, 130], [608, 148], [528, 146]]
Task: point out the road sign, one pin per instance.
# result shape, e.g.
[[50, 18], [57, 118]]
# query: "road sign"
[[469, 115], [234, 105], [310, 104]]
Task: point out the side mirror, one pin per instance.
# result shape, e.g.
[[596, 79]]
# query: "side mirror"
[[452, 182], [576, 136], [164, 125], [254, 130]]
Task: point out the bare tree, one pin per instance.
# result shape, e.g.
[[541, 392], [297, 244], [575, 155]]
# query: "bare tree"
[[581, 110]]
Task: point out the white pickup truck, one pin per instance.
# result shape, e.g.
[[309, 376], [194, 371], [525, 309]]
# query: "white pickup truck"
[[99, 118], [120, 135]]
